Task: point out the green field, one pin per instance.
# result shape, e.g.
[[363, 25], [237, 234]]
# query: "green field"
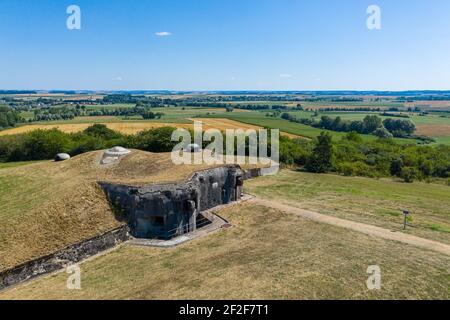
[[376, 202], [260, 119], [171, 115], [428, 120], [442, 140]]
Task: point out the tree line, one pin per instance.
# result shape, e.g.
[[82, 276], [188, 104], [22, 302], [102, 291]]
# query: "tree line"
[[350, 156], [371, 124], [127, 112], [8, 117]]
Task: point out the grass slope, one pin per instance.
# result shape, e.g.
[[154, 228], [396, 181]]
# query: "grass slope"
[[44, 208]]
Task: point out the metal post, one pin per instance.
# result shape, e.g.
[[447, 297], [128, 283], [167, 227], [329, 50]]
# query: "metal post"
[[406, 214]]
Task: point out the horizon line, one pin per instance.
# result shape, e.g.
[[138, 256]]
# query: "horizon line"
[[222, 90]]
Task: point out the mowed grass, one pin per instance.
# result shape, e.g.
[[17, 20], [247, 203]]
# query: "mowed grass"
[[376, 202], [266, 255]]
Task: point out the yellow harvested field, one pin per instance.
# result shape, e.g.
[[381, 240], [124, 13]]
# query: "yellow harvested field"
[[224, 124], [124, 127], [136, 127], [434, 130]]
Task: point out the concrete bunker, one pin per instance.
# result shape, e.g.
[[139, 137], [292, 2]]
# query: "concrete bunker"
[[165, 211]]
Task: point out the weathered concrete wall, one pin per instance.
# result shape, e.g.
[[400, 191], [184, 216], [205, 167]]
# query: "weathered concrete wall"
[[168, 210], [261, 172], [217, 186], [62, 258]]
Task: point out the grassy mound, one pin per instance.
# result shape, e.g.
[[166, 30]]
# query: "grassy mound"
[[47, 206]]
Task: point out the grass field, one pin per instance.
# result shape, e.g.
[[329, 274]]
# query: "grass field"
[[436, 126], [266, 255], [171, 114], [6, 165], [259, 118], [376, 202]]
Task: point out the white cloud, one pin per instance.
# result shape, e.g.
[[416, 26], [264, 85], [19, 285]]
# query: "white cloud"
[[117, 79], [163, 34], [286, 75]]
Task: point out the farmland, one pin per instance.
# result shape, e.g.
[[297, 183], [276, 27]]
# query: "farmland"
[[434, 125], [133, 127], [180, 109]]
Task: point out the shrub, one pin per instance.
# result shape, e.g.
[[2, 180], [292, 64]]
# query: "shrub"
[[396, 167], [409, 174], [43, 144], [353, 136], [382, 132], [363, 170], [294, 151], [155, 140], [345, 168], [102, 131]]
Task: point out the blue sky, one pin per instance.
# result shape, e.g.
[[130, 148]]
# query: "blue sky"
[[225, 45]]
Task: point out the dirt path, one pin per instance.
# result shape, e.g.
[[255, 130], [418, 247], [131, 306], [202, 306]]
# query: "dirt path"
[[356, 226]]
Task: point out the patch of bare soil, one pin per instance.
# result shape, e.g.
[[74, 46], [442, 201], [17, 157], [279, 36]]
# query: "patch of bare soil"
[[434, 130]]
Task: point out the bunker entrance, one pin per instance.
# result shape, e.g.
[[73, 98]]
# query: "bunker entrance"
[[170, 210], [202, 221]]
